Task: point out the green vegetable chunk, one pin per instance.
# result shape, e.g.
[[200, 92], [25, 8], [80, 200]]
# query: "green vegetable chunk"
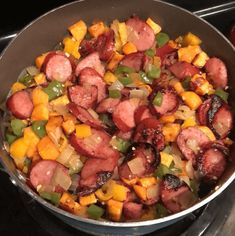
[[161, 171], [115, 93], [124, 69], [125, 80], [95, 212], [150, 52], [17, 127], [161, 210], [39, 128], [162, 39], [53, 197], [54, 89], [154, 72], [27, 80], [222, 94], [120, 144], [107, 120], [157, 101], [144, 78], [186, 82], [10, 138]]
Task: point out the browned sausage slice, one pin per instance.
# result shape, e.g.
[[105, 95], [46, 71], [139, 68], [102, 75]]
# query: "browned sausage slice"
[[57, 66], [165, 50], [132, 210], [134, 60], [169, 103], [141, 113], [20, 104], [123, 115], [84, 96], [211, 162], [91, 61], [96, 146], [183, 69], [140, 34], [42, 173], [190, 140], [107, 105], [84, 116], [175, 194], [217, 72], [149, 130], [202, 112], [90, 76]]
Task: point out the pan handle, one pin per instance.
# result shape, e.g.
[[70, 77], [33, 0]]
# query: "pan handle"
[[215, 9]]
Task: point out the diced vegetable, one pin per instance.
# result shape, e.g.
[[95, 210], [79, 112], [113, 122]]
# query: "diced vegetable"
[[161, 171], [75, 164], [18, 148], [40, 78], [122, 30], [144, 78], [188, 53], [170, 131], [147, 181], [189, 122], [67, 202], [39, 97], [153, 71], [68, 126], [95, 212], [78, 30], [54, 89], [207, 131], [162, 39], [179, 88], [129, 48], [140, 191], [125, 80], [119, 144], [71, 46], [27, 164], [109, 77], [136, 166], [40, 59], [186, 83], [161, 210], [201, 85], [155, 27], [17, 126], [166, 159], [40, 112], [150, 52], [47, 149], [119, 192], [60, 178], [114, 209], [53, 123], [87, 200], [97, 29], [106, 120], [157, 101], [27, 80], [124, 69], [191, 39], [10, 138], [104, 195], [115, 93], [221, 93], [39, 128], [83, 131], [53, 197], [167, 119], [191, 99], [201, 59], [17, 86], [116, 58]]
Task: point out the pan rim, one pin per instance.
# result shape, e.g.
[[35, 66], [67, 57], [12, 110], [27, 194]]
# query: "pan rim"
[[172, 217]]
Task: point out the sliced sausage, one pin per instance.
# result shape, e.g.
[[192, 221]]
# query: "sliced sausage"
[[91, 61], [202, 112], [140, 33], [42, 173], [84, 96], [20, 104], [104, 45], [107, 105], [132, 210], [142, 159], [211, 161], [90, 76], [182, 70], [96, 146], [163, 51], [84, 116], [190, 140], [222, 122], [149, 130], [170, 101], [95, 173], [175, 194], [57, 66], [123, 115], [217, 72], [141, 113], [134, 60], [124, 135]]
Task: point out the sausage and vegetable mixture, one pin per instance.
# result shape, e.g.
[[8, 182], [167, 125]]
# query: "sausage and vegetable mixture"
[[119, 122]]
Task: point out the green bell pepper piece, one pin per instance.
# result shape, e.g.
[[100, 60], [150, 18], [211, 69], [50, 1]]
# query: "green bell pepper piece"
[[95, 212], [53, 197], [157, 101], [222, 94], [162, 39], [39, 128], [54, 89], [115, 93], [17, 126]]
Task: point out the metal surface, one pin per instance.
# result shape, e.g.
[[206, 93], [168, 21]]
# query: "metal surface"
[[52, 27]]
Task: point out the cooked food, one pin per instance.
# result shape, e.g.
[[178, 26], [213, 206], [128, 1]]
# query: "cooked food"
[[120, 122]]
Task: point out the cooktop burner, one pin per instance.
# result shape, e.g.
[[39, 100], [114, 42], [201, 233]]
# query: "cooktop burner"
[[22, 216]]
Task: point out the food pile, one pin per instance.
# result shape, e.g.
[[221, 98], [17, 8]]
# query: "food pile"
[[120, 122]]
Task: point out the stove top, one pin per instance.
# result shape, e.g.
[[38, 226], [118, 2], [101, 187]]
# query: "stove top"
[[21, 215]]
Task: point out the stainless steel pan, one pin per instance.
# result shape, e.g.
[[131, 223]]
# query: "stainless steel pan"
[[42, 35]]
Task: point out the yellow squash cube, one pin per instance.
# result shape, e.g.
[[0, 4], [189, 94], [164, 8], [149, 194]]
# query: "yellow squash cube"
[[155, 27], [129, 48], [166, 159], [109, 77], [88, 200], [78, 30], [170, 132], [40, 78], [97, 29], [40, 112], [18, 148], [114, 209], [39, 97], [191, 99], [83, 131], [17, 86]]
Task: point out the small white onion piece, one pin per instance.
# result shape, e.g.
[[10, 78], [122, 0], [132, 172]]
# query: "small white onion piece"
[[136, 166]]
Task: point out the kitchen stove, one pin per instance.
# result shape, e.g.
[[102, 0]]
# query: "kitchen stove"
[[22, 216]]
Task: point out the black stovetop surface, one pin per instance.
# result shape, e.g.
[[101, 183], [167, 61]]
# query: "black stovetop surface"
[[21, 216]]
